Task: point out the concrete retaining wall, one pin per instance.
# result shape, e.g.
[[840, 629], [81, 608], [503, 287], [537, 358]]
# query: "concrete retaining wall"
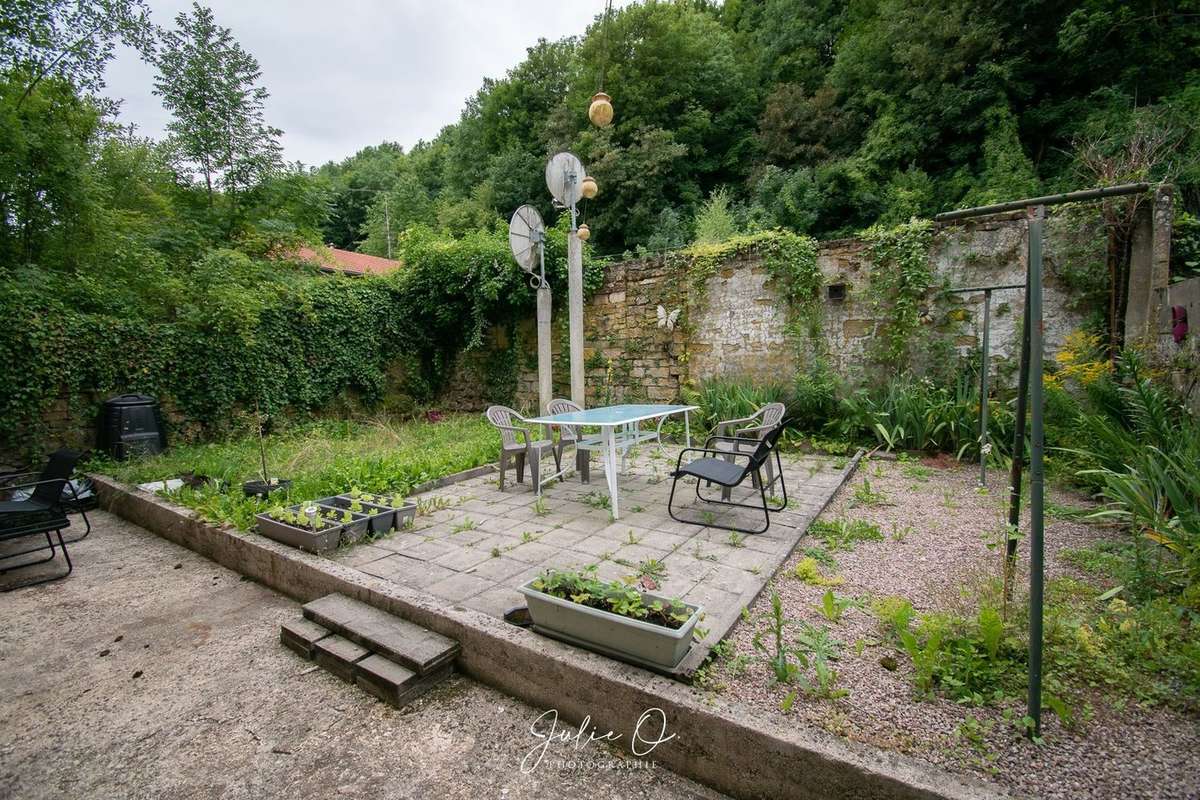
[[720, 744]]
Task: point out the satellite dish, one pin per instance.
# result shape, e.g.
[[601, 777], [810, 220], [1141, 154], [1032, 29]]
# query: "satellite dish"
[[526, 235], [564, 178]]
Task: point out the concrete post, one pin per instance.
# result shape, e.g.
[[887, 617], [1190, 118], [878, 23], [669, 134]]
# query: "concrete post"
[[575, 312], [545, 375], [1149, 267]]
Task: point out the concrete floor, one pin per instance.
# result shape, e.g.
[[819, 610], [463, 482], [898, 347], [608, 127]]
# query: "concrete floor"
[[154, 673]]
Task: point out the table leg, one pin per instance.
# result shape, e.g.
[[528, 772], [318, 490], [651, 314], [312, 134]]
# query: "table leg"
[[610, 466], [687, 430]]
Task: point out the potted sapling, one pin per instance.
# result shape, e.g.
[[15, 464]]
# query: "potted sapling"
[[265, 484]]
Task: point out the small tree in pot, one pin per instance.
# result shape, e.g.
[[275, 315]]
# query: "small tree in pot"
[[265, 484]]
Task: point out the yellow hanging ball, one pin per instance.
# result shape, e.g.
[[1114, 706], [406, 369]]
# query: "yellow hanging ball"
[[600, 112], [589, 188], [583, 233]]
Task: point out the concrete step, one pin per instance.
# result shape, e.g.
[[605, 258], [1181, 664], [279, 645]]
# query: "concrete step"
[[392, 683], [339, 656], [301, 636], [384, 655], [421, 651]]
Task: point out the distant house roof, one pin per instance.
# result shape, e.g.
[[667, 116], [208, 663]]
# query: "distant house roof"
[[331, 259]]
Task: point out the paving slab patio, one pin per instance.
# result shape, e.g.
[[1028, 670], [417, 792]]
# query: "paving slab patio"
[[473, 545]]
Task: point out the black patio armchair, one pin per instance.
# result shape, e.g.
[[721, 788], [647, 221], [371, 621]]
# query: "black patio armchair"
[[722, 467], [42, 512]]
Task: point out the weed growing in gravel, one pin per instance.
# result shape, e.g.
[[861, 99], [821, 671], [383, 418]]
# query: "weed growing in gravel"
[[736, 539], [973, 732], [844, 534], [779, 656], [832, 607], [1073, 513], [540, 508], [630, 538], [900, 534], [866, 496], [467, 524], [816, 649], [821, 556], [915, 471], [808, 569], [894, 614]]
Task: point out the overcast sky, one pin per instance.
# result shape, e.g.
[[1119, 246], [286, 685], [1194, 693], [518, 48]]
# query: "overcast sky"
[[351, 73]]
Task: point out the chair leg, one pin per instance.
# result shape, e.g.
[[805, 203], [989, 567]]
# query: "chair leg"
[[583, 465], [48, 546], [70, 566], [535, 471], [558, 466], [520, 467], [503, 467]]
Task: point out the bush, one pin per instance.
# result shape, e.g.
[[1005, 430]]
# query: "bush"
[[723, 399], [917, 414], [233, 331]]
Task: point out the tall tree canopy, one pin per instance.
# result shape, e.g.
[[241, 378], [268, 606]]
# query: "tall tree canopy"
[[817, 115]]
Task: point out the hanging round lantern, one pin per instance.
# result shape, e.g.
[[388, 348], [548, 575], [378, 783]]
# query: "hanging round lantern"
[[600, 112], [589, 188], [583, 233]]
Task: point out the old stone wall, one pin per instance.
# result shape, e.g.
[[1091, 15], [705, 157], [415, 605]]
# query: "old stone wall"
[[739, 327]]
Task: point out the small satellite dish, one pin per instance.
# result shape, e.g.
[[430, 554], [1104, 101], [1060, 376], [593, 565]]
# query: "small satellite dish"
[[526, 235], [564, 178]]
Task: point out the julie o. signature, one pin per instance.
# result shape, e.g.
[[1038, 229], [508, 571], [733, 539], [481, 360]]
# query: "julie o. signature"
[[649, 733]]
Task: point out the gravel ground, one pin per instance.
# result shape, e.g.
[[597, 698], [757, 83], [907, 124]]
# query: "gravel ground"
[[937, 526], [154, 673]]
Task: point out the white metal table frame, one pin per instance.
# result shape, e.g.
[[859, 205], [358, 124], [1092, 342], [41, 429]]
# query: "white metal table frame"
[[620, 429]]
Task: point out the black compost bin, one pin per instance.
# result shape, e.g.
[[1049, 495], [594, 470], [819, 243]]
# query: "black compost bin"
[[131, 424]]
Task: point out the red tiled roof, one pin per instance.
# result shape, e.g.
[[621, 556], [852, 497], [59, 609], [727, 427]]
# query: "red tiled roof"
[[332, 259]]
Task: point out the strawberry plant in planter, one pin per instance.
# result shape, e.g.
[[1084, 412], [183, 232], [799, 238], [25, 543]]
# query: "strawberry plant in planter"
[[327, 523], [612, 618], [304, 526]]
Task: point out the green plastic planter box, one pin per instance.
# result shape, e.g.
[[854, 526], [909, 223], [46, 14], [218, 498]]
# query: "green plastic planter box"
[[632, 640]]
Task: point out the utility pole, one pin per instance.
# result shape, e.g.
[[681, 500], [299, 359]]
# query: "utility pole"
[[387, 223]]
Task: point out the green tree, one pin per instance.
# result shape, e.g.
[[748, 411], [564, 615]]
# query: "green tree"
[[208, 83], [71, 40]]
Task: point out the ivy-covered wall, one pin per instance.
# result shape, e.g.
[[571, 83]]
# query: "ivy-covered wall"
[[760, 307]]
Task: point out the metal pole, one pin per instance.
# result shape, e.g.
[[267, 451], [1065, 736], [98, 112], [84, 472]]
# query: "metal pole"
[[1046, 200], [983, 389], [1036, 467], [1018, 450], [387, 224], [983, 374]]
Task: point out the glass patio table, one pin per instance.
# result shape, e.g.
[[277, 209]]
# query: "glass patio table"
[[620, 429]]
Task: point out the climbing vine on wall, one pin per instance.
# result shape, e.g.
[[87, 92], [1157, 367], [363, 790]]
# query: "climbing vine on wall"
[[790, 259], [901, 279]]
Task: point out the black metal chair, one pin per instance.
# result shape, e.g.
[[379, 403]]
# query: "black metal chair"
[[42, 513], [721, 467]]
